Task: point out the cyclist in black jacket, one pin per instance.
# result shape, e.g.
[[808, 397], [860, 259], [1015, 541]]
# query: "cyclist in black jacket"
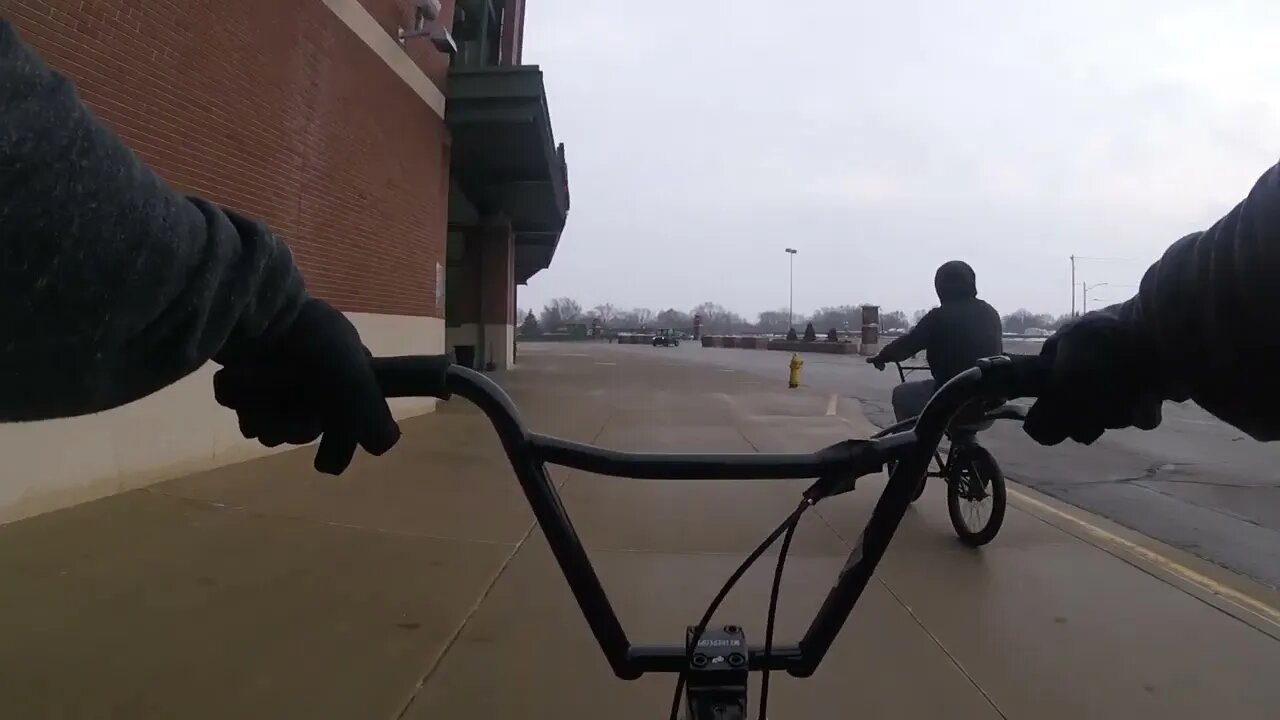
[[113, 286], [954, 336]]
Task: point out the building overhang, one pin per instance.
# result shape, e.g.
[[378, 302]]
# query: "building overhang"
[[504, 157]]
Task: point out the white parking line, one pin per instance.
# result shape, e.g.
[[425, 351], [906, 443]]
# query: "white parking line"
[[831, 404]]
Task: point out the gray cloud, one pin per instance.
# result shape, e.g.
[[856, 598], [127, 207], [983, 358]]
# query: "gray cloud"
[[881, 141]]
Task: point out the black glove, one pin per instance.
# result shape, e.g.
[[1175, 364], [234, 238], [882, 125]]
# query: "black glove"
[[1100, 380], [875, 360], [313, 379]]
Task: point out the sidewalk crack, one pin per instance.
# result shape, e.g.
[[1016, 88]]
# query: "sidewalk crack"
[[457, 633], [438, 660], [955, 662], [920, 623]]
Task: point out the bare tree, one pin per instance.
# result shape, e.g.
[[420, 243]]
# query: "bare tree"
[[1022, 319], [773, 321], [672, 318], [842, 317], [558, 312], [717, 319], [606, 312], [893, 320]]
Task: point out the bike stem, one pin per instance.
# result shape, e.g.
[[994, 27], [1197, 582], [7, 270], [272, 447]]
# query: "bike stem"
[[716, 681]]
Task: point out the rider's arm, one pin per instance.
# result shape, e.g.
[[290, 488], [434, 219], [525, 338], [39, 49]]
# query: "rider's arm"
[[1208, 314], [112, 286], [916, 339]]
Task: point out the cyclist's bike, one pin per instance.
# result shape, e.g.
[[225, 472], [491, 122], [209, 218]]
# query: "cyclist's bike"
[[975, 484], [714, 661]]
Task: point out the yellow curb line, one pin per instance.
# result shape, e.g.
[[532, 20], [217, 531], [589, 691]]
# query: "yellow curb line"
[[1246, 603]]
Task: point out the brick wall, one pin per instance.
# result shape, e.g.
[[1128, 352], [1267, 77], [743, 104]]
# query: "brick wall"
[[277, 109]]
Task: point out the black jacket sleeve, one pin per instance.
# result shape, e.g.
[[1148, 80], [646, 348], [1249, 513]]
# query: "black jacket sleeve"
[[112, 285], [1207, 314], [916, 339]]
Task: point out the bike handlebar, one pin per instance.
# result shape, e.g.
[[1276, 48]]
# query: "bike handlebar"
[[834, 469]]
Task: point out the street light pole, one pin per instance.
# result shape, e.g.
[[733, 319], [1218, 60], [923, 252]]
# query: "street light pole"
[[791, 306], [1074, 258], [1084, 295], [1073, 286]]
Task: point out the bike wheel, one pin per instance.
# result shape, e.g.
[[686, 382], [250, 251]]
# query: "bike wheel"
[[892, 465], [975, 495]]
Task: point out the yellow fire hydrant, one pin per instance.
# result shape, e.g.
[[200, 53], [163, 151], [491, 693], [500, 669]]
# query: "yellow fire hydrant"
[[793, 381]]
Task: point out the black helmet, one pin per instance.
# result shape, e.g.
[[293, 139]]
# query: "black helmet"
[[955, 281]]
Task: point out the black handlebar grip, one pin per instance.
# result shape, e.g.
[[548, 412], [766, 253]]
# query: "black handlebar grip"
[[414, 375], [1029, 375]]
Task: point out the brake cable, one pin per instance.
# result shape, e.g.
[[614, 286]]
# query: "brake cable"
[[772, 616], [787, 528]]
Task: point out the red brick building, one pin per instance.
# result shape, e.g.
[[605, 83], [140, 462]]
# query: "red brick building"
[[398, 145]]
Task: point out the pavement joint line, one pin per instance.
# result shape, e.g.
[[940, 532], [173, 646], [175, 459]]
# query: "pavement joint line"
[[937, 641], [466, 619], [1240, 600], [484, 595]]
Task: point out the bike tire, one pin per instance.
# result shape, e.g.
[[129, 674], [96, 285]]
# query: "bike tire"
[[981, 461]]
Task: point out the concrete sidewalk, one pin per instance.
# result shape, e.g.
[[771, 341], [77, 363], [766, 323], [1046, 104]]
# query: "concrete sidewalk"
[[417, 586]]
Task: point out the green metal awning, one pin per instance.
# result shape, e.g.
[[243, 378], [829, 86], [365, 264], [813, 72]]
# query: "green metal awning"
[[505, 159]]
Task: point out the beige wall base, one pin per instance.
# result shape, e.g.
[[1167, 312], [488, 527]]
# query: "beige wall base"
[[499, 341], [179, 430]]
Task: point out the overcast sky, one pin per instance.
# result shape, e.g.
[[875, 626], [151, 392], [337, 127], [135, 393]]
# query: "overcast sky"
[[883, 138]]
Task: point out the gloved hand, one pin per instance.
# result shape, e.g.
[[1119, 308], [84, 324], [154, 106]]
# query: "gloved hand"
[[312, 380], [1098, 382], [875, 360]]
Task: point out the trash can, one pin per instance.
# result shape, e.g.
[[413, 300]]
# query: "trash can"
[[465, 355]]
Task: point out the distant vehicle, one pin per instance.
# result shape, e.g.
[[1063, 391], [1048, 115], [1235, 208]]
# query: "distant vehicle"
[[1036, 332], [666, 337]]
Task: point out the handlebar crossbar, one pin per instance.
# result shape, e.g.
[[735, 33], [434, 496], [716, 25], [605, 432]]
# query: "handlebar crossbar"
[[833, 468]]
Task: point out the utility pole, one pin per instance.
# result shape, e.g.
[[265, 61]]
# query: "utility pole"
[[791, 305]]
